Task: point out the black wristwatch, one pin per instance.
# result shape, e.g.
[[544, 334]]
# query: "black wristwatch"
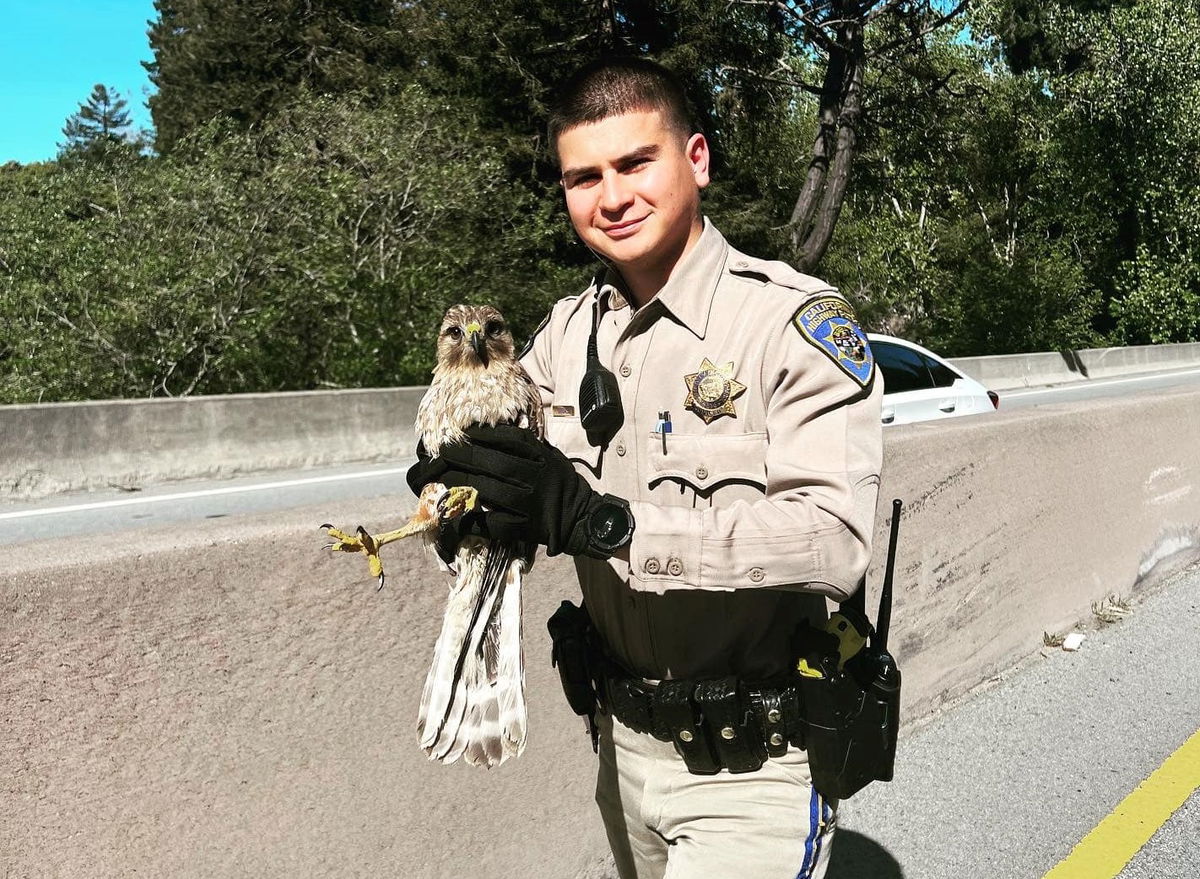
[[609, 526]]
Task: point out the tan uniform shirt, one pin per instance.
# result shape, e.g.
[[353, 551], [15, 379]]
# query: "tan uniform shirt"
[[764, 497]]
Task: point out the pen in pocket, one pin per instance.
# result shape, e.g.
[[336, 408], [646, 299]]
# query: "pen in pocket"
[[662, 427]]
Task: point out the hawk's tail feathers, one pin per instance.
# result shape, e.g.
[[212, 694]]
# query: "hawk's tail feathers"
[[510, 683], [460, 713], [462, 608]]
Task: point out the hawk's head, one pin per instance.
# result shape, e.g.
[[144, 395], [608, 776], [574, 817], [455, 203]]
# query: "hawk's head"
[[473, 335]]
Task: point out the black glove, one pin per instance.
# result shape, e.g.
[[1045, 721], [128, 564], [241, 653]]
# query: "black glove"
[[530, 489], [451, 531]]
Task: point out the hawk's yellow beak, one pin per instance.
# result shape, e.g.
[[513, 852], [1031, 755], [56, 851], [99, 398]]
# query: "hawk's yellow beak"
[[475, 331]]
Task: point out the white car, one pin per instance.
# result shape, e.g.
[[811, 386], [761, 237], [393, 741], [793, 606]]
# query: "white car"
[[920, 386]]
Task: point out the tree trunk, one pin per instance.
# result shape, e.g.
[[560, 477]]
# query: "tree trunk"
[[824, 189]]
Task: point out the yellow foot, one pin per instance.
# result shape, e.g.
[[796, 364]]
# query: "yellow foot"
[[456, 501], [436, 504], [362, 542]]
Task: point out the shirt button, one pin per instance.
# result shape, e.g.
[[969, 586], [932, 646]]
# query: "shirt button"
[[757, 574], [674, 567], [651, 566], [702, 472], [626, 370], [741, 264], [620, 448]]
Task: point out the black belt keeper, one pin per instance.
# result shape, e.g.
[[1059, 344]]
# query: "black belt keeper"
[[777, 717], [675, 711], [731, 725]]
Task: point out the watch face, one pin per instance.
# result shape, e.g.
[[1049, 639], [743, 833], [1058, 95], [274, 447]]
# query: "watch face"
[[610, 526], [606, 527]]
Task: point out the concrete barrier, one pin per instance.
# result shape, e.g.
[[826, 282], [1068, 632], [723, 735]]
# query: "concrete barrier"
[[56, 447], [228, 700], [1007, 371]]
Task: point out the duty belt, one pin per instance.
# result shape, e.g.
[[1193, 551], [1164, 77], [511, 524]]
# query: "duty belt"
[[715, 723]]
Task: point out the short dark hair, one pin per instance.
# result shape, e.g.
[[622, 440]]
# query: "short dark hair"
[[611, 86]]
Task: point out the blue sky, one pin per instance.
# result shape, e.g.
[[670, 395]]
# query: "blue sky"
[[51, 54]]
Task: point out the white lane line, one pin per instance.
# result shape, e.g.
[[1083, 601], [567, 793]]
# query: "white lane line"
[[1096, 384], [209, 492]]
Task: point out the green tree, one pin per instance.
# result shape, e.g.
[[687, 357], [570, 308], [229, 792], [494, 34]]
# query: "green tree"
[[1137, 109], [1127, 124], [246, 59], [748, 65], [957, 234], [317, 250], [100, 121]]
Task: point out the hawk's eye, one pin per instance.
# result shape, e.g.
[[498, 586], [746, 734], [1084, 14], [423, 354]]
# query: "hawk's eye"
[[494, 328], [454, 333]]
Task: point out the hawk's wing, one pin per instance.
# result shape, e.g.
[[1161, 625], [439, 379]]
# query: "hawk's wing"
[[531, 403]]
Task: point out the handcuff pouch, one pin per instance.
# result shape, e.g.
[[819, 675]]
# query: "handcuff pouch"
[[675, 710], [731, 726]]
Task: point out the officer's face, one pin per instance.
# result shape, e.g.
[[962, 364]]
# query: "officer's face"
[[633, 190]]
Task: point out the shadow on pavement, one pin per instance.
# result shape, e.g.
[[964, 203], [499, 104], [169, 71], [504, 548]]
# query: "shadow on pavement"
[[855, 856]]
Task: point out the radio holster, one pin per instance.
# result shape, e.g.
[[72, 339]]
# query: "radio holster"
[[851, 691]]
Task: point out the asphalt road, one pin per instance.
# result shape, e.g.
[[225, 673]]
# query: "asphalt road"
[[121, 509], [1005, 783], [1099, 388]]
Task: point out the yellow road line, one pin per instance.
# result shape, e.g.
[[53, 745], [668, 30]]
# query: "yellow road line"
[[1104, 852]]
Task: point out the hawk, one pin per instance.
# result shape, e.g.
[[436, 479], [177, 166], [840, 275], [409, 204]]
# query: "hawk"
[[473, 703]]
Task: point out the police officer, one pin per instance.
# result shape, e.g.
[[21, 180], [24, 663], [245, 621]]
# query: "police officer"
[[734, 495]]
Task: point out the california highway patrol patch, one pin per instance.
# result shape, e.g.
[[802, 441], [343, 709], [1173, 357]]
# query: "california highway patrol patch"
[[712, 390], [830, 324]]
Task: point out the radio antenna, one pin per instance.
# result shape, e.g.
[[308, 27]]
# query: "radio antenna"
[[884, 619]]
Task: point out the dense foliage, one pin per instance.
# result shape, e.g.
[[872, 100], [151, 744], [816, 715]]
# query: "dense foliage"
[[328, 176]]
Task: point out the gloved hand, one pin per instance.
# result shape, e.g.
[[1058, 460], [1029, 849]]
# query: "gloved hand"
[[530, 489]]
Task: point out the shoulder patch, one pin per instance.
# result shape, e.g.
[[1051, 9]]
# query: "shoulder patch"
[[828, 322], [528, 346]]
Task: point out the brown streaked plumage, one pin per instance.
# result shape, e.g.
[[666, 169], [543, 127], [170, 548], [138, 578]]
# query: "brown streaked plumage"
[[473, 702], [476, 384]]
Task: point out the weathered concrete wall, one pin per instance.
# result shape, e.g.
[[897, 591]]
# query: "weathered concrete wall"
[[50, 448], [57, 447], [228, 700], [1044, 368], [1016, 523]]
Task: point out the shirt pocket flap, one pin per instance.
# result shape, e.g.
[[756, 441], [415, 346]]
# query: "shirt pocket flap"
[[568, 436], [705, 461]]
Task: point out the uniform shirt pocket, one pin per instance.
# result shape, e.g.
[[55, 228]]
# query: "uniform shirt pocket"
[[706, 462]]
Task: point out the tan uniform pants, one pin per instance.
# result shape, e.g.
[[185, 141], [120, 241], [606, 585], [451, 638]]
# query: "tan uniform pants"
[[665, 823]]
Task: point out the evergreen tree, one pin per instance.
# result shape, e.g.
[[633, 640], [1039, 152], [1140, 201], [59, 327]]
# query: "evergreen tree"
[[244, 59], [101, 120]]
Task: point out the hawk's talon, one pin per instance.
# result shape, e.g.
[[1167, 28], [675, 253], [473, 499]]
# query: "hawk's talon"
[[362, 542], [437, 503], [456, 502]]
